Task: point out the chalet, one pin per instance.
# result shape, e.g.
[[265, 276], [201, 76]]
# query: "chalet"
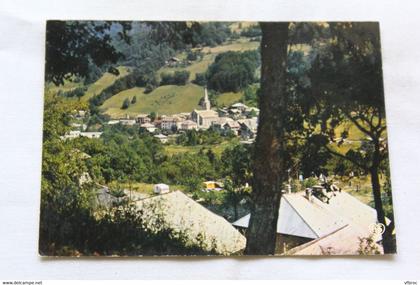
[[173, 61], [169, 122], [239, 106], [188, 125], [127, 122], [142, 119], [232, 126], [304, 219], [248, 128]]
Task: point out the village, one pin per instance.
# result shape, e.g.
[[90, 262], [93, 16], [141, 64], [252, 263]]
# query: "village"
[[238, 120], [171, 150]]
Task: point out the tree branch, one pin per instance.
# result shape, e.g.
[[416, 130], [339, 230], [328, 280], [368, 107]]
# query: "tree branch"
[[344, 157]]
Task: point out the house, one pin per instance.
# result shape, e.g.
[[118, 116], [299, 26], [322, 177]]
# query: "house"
[[162, 138], [188, 125], [169, 123], [232, 126], [212, 186], [248, 128], [78, 126], [113, 122], [148, 127], [253, 111], [180, 213], [127, 122], [143, 118], [77, 134], [303, 218], [239, 106], [91, 135], [173, 61], [160, 188]]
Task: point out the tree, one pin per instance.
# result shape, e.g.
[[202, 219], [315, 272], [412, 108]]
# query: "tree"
[[347, 83], [268, 164], [134, 100], [232, 71], [152, 116], [72, 47], [125, 104]]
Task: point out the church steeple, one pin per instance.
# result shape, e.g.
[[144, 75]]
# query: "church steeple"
[[206, 102]]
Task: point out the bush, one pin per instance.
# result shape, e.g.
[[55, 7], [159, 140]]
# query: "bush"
[[200, 79], [251, 32], [75, 92], [125, 104], [177, 78]]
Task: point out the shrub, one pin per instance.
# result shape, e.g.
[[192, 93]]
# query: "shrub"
[[125, 104]]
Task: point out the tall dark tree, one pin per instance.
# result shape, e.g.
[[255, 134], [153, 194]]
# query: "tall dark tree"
[[347, 87], [270, 144], [73, 47]]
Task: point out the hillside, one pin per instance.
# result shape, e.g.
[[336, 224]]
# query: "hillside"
[[171, 99], [106, 80], [168, 99]]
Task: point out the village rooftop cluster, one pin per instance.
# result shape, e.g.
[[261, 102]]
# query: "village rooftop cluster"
[[237, 119]]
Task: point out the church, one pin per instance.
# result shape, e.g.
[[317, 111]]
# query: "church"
[[205, 117]]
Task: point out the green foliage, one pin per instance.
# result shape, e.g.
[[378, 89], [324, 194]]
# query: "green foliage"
[[125, 104], [179, 77], [194, 55], [200, 79], [194, 137], [233, 71], [75, 92], [72, 47], [236, 163], [136, 78], [251, 31], [134, 100]]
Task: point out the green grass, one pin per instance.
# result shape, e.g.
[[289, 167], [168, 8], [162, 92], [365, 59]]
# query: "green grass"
[[227, 99], [168, 99], [106, 80]]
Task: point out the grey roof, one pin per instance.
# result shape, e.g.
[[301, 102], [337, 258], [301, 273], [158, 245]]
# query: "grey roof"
[[182, 213], [314, 219]]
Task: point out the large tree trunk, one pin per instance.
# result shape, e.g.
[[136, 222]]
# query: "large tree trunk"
[[387, 238], [269, 147]]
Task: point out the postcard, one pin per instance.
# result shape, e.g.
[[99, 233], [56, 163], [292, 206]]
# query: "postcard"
[[214, 138]]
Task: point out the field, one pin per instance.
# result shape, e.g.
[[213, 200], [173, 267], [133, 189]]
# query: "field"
[[169, 99]]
